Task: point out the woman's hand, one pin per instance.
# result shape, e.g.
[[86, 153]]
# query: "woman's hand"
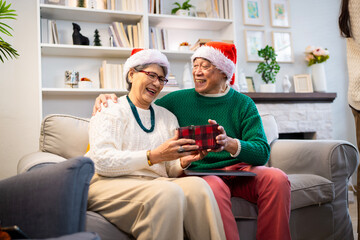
[[102, 98], [169, 150], [195, 156], [226, 143]]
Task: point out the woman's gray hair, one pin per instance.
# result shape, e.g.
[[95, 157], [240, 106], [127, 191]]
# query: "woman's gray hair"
[[139, 68]]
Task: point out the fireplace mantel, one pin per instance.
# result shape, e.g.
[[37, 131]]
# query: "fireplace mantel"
[[298, 112], [316, 97]]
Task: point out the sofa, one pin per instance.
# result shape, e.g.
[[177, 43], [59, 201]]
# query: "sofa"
[[318, 170], [49, 202]]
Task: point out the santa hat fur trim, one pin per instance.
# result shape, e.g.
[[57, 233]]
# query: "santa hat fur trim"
[[222, 55], [146, 56]]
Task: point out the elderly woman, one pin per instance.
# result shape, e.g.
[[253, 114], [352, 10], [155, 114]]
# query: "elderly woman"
[[137, 162], [243, 141]]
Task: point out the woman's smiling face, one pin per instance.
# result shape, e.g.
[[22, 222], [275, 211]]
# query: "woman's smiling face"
[[207, 78], [144, 90]]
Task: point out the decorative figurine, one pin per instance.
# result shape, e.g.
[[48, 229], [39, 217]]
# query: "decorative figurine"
[[286, 84], [97, 41], [78, 38]]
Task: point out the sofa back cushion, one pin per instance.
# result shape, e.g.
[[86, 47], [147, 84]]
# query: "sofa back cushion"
[[67, 136], [64, 135], [270, 127]]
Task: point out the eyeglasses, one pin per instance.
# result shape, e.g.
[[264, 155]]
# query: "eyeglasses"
[[153, 77]]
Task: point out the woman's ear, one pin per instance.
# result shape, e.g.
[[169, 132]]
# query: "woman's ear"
[[131, 74]]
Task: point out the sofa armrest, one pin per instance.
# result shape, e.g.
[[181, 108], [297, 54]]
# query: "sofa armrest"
[[37, 159], [49, 201], [327, 158]]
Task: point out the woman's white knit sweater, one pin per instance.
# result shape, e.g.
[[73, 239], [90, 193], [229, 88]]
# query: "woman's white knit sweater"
[[118, 145], [353, 55]]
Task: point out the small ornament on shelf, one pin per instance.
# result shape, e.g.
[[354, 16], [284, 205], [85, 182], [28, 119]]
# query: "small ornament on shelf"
[[97, 41], [78, 38], [286, 84], [85, 83], [184, 46], [71, 79]]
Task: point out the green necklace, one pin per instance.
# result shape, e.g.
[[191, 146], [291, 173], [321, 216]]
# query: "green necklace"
[[136, 115]]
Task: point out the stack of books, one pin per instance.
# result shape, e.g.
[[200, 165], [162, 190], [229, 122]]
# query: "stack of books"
[[111, 76], [158, 38], [129, 36]]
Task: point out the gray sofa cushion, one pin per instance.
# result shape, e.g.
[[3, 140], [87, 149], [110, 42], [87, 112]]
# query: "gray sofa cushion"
[[309, 189], [97, 223]]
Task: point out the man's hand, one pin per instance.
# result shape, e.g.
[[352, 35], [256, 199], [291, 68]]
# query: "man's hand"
[[102, 99], [226, 143]]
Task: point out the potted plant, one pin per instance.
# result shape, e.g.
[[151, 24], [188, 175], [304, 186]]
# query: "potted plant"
[[268, 68], [182, 10], [6, 48]]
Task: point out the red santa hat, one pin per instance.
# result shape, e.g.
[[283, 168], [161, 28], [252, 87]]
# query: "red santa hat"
[[141, 56], [222, 55]]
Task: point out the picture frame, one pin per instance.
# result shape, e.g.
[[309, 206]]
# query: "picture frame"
[[303, 83], [253, 12], [250, 84], [254, 41], [282, 44], [280, 13]]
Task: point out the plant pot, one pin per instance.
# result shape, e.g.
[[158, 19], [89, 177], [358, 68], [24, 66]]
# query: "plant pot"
[[184, 48], [318, 77], [182, 12], [270, 87]]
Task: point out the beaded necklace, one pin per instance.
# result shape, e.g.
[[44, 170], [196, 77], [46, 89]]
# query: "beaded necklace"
[[138, 120]]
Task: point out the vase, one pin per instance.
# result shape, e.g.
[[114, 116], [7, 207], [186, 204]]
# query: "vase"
[[318, 77], [286, 84], [269, 87], [182, 12]]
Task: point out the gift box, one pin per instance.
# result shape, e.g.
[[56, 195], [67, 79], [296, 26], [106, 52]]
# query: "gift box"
[[204, 135]]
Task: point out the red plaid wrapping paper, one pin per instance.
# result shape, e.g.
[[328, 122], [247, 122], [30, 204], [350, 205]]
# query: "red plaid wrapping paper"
[[204, 135]]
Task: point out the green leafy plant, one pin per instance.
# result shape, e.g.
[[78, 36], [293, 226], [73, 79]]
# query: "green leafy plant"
[[6, 48], [184, 6], [269, 68]]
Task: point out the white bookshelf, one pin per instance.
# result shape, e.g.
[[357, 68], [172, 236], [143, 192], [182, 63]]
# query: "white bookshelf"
[[57, 58]]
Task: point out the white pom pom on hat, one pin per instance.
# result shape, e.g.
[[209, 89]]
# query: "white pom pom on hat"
[[140, 56], [222, 55]]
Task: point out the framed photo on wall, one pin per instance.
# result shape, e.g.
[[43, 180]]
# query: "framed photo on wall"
[[303, 83], [280, 13], [254, 41], [253, 12], [250, 84], [282, 44]]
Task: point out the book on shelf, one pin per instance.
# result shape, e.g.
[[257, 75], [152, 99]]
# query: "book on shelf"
[[49, 32], [111, 76], [127, 35], [115, 5], [130, 35], [158, 38], [115, 39], [218, 8]]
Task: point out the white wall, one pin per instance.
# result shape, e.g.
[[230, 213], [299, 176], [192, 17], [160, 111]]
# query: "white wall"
[[19, 86], [312, 23]]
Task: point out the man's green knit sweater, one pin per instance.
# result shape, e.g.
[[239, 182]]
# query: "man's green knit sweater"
[[234, 111]]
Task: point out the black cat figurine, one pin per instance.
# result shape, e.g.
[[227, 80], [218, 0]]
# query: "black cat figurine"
[[78, 38]]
